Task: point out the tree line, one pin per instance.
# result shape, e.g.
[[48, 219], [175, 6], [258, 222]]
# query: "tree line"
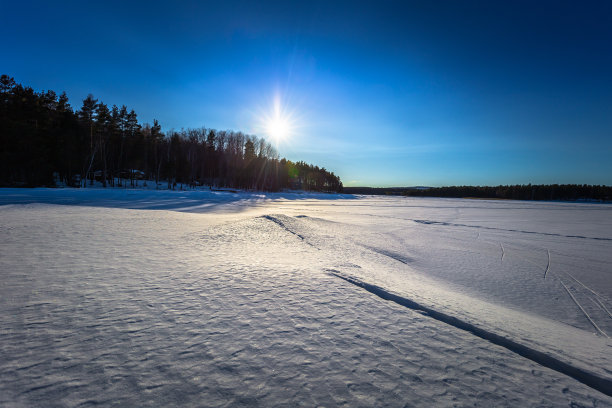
[[553, 192], [45, 141]]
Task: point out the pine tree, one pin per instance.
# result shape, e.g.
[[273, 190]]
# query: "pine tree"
[[156, 138], [103, 122], [87, 114]]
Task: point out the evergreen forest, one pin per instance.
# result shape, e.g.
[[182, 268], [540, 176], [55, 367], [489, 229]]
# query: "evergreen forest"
[[47, 142]]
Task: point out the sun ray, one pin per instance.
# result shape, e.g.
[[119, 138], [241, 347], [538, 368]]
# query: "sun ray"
[[278, 124]]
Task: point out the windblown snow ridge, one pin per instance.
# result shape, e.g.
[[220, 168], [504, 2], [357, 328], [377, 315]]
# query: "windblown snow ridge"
[[590, 379], [279, 222], [390, 254]]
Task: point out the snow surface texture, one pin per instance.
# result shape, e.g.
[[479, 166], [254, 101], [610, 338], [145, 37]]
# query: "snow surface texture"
[[301, 300]]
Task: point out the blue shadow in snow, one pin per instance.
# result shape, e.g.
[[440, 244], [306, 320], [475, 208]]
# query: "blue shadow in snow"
[[197, 201]]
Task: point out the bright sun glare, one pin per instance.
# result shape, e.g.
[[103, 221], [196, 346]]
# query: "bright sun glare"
[[278, 125], [278, 128]]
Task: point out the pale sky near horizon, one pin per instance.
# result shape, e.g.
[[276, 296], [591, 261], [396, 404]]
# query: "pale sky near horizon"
[[382, 93]]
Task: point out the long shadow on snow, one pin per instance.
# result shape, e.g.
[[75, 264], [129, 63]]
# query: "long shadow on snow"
[[590, 379], [196, 201]]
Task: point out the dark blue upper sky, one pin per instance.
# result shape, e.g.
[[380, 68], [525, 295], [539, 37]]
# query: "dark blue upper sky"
[[382, 93]]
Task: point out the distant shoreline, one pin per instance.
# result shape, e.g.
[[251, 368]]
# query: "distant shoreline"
[[528, 192]]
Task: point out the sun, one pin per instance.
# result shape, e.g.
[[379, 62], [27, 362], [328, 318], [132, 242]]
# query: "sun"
[[278, 128], [278, 124]]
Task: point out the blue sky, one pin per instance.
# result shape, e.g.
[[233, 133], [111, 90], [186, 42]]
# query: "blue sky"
[[382, 93]]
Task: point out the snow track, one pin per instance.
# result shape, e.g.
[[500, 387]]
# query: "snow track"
[[583, 311], [579, 293]]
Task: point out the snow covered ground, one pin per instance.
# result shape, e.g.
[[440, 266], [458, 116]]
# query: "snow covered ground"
[[222, 299]]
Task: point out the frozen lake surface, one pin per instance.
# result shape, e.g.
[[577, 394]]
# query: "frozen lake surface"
[[158, 298]]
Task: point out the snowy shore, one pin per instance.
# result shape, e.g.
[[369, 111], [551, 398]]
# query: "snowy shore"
[[251, 299]]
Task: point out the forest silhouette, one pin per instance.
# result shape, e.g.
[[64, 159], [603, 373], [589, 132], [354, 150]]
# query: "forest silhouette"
[[45, 142], [539, 192]]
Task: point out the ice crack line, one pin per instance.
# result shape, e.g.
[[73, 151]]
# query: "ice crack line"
[[450, 224], [595, 381]]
